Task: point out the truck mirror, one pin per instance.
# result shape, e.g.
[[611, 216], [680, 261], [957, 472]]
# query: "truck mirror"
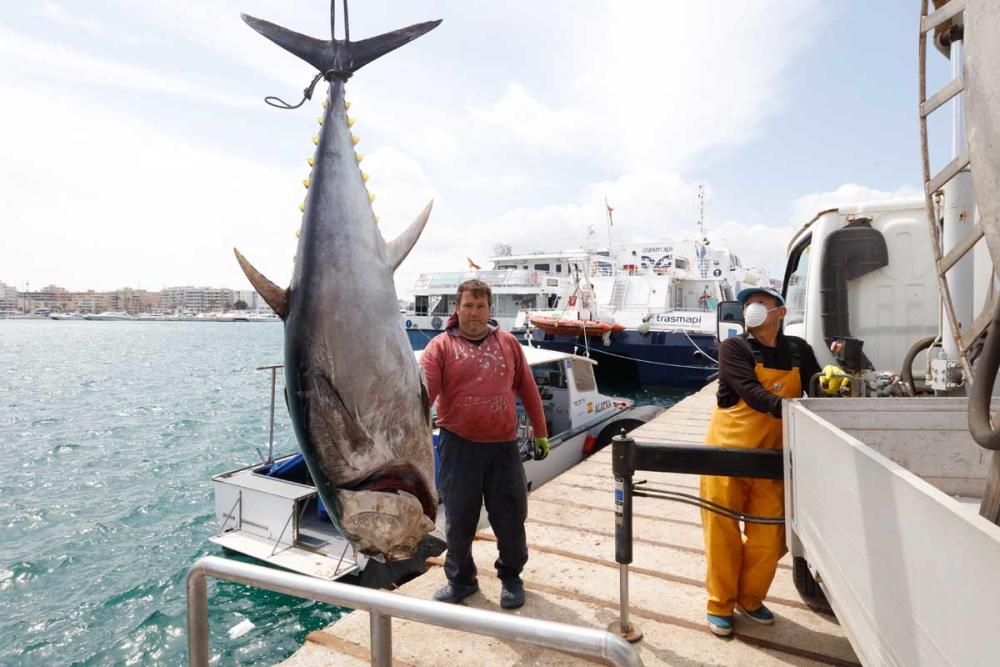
[[728, 320]]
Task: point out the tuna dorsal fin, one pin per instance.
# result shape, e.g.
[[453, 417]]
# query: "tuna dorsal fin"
[[400, 247], [275, 297]]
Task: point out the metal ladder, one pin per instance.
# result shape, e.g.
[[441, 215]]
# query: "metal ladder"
[[952, 12], [618, 293], [382, 607]]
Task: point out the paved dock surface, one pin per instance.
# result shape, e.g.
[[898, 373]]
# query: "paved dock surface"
[[572, 577]]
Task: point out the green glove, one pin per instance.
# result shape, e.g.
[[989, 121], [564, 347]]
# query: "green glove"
[[541, 448]]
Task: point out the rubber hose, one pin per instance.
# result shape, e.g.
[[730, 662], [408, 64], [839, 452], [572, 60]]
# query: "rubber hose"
[[984, 375], [906, 375]]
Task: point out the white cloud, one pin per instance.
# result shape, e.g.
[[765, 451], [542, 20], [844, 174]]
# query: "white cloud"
[[58, 14], [766, 245], [806, 206], [57, 63], [108, 201], [653, 85]]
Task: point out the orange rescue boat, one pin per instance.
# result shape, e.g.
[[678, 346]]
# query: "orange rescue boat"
[[563, 327]]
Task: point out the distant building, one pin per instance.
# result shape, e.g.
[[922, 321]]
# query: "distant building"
[[196, 299], [8, 297], [254, 301]]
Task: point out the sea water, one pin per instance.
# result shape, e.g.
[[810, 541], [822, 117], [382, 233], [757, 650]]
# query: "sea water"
[[109, 435]]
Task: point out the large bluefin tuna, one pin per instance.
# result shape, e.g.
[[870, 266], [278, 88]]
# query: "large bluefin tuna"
[[357, 401]]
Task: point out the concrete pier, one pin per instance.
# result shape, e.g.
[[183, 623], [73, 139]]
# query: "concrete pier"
[[572, 577]]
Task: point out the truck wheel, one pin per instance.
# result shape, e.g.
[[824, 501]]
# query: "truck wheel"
[[807, 586]]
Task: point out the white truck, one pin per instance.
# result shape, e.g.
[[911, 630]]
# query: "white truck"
[[883, 487]]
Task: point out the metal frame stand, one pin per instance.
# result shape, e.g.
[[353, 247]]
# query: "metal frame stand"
[[628, 456]]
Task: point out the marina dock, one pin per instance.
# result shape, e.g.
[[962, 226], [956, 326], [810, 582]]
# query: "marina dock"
[[572, 577]]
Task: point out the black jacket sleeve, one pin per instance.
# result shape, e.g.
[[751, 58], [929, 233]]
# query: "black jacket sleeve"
[[808, 364], [736, 369]]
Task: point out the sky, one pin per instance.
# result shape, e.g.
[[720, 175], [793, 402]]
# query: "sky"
[[137, 150]]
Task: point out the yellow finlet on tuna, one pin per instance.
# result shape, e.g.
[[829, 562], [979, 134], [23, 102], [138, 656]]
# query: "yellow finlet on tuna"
[[364, 176], [302, 207], [355, 139], [316, 140], [371, 197], [305, 182], [359, 156], [319, 119], [350, 122], [347, 105], [311, 161], [298, 232]]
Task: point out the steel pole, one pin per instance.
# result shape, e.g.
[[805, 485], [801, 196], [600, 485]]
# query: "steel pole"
[[380, 627], [623, 465], [957, 214], [197, 617], [270, 436]]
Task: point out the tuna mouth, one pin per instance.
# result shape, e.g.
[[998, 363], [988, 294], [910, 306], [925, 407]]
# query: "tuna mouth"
[[396, 478]]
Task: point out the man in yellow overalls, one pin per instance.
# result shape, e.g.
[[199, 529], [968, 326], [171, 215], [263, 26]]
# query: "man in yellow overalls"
[[756, 371]]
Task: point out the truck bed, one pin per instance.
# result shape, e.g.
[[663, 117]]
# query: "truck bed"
[[882, 501]]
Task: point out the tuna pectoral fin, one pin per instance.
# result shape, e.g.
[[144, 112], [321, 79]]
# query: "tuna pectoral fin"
[[275, 297], [336, 55], [400, 247]]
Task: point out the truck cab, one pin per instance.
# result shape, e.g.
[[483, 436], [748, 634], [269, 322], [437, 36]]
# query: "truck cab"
[[865, 272]]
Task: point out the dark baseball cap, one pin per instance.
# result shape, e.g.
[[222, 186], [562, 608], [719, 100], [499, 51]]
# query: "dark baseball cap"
[[744, 294]]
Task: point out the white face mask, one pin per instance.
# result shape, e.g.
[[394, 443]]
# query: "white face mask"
[[756, 313]]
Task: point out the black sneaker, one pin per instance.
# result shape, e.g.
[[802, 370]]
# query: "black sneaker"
[[452, 592], [512, 594]]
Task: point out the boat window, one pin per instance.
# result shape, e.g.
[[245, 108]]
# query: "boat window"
[[680, 263], [558, 268], [549, 375], [797, 282], [583, 375], [541, 267], [420, 305]]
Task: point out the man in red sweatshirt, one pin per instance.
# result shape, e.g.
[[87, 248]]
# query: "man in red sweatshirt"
[[474, 370]]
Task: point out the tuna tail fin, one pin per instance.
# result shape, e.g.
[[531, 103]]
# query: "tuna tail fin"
[[275, 297], [341, 57], [400, 247]]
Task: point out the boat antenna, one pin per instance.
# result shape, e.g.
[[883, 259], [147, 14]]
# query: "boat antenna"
[[611, 221], [701, 214]]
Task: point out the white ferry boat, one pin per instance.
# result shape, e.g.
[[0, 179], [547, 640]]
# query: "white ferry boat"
[[519, 283], [647, 312]]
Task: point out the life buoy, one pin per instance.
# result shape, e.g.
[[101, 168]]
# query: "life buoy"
[[409, 323], [717, 273], [436, 323], [572, 300]]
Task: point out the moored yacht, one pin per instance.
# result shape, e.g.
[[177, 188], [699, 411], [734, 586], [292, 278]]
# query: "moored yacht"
[[108, 315]]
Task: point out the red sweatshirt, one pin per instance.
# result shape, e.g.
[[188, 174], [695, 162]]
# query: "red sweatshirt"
[[474, 385]]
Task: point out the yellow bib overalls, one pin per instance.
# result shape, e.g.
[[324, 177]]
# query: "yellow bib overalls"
[[741, 567]]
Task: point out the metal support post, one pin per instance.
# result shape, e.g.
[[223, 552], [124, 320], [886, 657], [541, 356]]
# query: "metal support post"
[[270, 434], [623, 458], [197, 618], [380, 627]]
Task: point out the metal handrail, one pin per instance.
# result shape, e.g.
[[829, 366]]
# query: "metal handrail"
[[383, 607]]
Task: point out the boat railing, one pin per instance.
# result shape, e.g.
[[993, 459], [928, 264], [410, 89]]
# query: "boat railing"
[[383, 606], [502, 278]]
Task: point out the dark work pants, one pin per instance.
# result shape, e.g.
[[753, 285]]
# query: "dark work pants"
[[471, 473]]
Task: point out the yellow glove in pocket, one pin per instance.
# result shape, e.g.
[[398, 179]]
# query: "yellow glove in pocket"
[[831, 383]]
